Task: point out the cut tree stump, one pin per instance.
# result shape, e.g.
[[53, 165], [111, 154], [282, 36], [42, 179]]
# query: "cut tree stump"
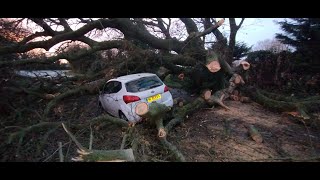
[[214, 99], [155, 112], [219, 96], [142, 109]]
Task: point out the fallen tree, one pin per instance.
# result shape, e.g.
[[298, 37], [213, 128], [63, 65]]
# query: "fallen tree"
[[138, 49], [155, 113], [285, 104]]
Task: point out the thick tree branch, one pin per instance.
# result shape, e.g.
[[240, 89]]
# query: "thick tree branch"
[[65, 24], [98, 46], [233, 32], [84, 20], [87, 40], [73, 35], [54, 21], [130, 30], [140, 24], [124, 25], [150, 23], [210, 29], [205, 32], [33, 36], [241, 22], [232, 22], [190, 25], [45, 26], [163, 29], [216, 32]]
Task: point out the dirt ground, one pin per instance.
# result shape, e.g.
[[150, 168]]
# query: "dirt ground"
[[219, 135], [209, 135]]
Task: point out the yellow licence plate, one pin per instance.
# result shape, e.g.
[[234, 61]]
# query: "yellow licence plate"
[[154, 98]]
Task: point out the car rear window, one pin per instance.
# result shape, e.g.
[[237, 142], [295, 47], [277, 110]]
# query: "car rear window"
[[143, 84]]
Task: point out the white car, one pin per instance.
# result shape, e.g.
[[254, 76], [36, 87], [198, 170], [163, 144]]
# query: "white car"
[[120, 96]]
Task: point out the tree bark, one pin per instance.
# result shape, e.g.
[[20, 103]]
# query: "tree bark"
[[232, 38], [155, 113], [302, 107]]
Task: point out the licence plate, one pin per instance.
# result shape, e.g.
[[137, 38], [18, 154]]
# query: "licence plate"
[[154, 98]]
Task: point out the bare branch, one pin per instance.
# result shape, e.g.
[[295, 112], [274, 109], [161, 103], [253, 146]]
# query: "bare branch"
[[216, 32], [210, 29], [240, 23], [205, 32]]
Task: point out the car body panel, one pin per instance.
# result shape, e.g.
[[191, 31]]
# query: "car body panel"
[[113, 103]]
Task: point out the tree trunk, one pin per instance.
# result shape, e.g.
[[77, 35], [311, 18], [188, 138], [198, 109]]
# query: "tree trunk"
[[219, 96], [184, 111], [155, 112], [302, 107]]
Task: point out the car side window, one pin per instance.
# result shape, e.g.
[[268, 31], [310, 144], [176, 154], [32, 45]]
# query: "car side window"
[[112, 87], [117, 87]]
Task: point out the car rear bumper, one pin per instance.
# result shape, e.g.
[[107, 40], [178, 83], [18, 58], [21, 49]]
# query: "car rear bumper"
[[133, 117], [168, 103]]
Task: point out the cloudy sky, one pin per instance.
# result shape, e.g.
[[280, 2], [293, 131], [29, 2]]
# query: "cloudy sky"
[[254, 30]]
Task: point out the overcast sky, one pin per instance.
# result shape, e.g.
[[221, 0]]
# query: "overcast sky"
[[254, 30]]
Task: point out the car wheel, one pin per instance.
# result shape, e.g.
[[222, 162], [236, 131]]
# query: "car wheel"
[[122, 116], [100, 108]]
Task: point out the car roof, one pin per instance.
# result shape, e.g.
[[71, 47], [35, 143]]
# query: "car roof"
[[130, 77]]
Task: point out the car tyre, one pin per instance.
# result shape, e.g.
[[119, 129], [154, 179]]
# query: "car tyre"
[[100, 108], [122, 116]]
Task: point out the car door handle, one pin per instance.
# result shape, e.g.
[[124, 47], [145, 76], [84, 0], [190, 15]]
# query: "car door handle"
[[116, 100]]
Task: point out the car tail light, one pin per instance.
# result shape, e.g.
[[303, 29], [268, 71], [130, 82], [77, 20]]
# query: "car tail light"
[[166, 88], [129, 99]]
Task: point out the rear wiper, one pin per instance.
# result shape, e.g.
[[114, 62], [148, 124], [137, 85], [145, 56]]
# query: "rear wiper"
[[156, 85]]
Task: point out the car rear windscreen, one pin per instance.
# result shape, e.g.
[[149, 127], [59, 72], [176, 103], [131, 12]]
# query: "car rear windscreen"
[[143, 84]]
